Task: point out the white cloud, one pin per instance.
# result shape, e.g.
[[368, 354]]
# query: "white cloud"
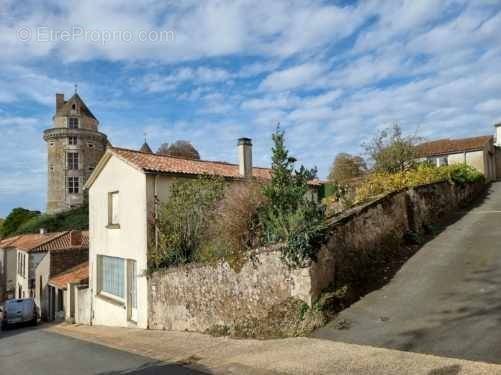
[[303, 76]]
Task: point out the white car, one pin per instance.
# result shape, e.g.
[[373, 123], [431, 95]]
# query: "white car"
[[16, 311]]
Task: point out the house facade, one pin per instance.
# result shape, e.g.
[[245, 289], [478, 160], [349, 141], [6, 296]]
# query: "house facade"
[[124, 193], [59, 255], [29, 260], [483, 153], [68, 295], [8, 270]]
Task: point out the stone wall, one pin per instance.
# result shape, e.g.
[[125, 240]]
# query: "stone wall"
[[198, 297], [372, 233]]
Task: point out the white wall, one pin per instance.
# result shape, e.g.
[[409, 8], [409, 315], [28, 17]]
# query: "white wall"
[[42, 271], [82, 305], [127, 242]]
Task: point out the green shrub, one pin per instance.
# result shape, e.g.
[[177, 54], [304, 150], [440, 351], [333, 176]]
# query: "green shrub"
[[183, 221], [16, 219], [289, 215], [381, 183], [74, 219]]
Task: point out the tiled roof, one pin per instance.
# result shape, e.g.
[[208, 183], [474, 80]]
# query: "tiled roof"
[[27, 242], [170, 164], [452, 146], [7, 242], [77, 274], [67, 241], [48, 241]]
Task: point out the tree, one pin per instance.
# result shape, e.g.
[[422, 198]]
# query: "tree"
[[15, 219], [183, 220], [347, 167], [180, 148], [390, 151], [290, 216]]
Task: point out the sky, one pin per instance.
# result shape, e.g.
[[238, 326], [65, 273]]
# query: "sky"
[[332, 73]]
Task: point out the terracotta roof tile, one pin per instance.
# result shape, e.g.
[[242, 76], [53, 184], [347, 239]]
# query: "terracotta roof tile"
[[48, 241], [451, 146], [68, 241], [77, 274], [170, 164]]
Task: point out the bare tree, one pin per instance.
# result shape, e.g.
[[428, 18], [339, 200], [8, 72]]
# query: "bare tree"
[[390, 151], [180, 148]]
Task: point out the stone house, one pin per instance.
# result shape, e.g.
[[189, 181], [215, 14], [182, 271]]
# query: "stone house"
[[482, 153], [124, 191]]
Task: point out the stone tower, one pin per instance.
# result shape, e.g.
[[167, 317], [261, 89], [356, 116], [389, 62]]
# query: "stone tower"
[[74, 148]]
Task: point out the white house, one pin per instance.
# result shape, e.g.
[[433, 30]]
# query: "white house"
[[124, 191], [483, 153]]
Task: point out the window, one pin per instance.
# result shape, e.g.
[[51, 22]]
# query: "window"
[[72, 160], [90, 145], [442, 161], [73, 185], [111, 276], [21, 264], [113, 209], [72, 140], [73, 123]]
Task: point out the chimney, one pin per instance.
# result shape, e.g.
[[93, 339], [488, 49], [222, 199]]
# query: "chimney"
[[59, 101], [245, 157], [498, 134], [43, 231], [75, 238]]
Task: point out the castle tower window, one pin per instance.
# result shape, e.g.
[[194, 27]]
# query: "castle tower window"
[[90, 145], [72, 160], [72, 140], [73, 123], [73, 185]]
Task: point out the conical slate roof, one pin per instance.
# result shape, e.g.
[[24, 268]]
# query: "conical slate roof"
[[146, 148], [65, 110]]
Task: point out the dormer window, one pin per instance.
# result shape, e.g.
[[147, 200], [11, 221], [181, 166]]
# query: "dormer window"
[[73, 123]]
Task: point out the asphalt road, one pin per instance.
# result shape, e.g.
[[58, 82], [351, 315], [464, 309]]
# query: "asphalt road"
[[446, 300], [33, 351]]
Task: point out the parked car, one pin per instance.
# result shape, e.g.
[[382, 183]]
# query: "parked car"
[[15, 311]]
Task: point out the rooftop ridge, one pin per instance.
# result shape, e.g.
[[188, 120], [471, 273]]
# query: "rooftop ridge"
[[181, 158]]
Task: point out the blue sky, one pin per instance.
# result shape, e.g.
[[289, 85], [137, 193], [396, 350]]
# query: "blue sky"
[[332, 73]]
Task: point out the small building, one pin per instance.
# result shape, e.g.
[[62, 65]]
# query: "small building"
[[68, 295], [483, 153], [60, 254], [29, 260], [124, 193], [28, 257], [7, 268]]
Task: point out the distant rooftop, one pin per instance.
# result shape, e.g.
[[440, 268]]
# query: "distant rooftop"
[[453, 146]]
